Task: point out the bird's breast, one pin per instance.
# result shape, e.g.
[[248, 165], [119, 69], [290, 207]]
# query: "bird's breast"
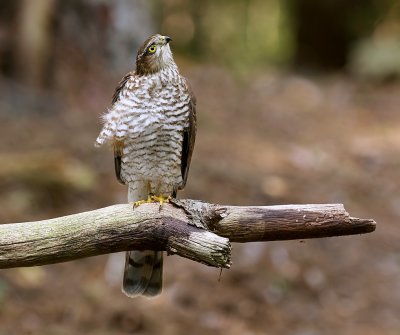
[[157, 119]]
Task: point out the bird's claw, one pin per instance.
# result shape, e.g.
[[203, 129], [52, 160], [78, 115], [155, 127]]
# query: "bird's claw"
[[160, 199], [153, 199]]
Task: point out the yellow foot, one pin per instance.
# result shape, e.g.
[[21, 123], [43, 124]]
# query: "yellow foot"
[[141, 202], [161, 199], [152, 199]]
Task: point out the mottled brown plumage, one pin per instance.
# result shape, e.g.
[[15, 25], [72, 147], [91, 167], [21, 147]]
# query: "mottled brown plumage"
[[152, 127]]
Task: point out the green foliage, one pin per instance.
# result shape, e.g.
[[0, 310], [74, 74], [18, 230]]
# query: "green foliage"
[[261, 38], [237, 33], [376, 59], [248, 34]]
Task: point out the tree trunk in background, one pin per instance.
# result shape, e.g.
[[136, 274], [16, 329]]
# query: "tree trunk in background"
[[33, 43]]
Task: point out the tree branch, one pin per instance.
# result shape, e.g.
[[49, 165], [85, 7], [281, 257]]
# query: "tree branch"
[[189, 228]]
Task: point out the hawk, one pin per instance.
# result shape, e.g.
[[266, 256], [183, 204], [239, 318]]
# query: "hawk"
[[151, 125]]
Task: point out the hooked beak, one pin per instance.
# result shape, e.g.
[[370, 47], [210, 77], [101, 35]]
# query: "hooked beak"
[[167, 39]]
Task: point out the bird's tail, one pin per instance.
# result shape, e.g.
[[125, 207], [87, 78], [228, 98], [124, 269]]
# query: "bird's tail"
[[143, 273], [143, 269]]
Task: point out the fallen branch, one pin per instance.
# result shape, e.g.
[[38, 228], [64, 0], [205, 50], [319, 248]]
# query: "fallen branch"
[[189, 228]]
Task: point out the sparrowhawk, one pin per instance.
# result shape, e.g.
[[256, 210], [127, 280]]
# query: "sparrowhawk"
[[151, 125]]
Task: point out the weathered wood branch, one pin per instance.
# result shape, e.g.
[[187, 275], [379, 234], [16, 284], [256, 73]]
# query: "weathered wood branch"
[[189, 228]]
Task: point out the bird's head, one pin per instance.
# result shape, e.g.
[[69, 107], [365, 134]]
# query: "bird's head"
[[154, 55]]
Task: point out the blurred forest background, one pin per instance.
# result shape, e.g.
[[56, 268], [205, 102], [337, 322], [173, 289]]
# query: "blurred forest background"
[[298, 102]]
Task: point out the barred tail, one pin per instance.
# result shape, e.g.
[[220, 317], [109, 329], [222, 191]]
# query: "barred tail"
[[143, 269], [143, 273]]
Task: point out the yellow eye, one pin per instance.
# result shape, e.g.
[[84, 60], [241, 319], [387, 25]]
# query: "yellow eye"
[[152, 49]]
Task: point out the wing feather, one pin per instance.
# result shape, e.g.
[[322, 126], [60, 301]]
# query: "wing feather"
[[118, 145], [189, 137], [120, 87]]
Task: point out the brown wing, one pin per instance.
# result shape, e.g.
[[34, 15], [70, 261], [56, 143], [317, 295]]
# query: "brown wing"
[[120, 87], [118, 145], [189, 137]]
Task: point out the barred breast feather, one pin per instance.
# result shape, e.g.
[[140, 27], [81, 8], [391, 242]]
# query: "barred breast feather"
[[149, 119]]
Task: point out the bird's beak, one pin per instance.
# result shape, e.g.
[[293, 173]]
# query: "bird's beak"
[[167, 39]]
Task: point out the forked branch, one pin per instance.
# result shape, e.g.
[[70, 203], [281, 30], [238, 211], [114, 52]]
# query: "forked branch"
[[189, 228]]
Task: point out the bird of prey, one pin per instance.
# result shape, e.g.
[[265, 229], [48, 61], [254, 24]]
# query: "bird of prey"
[[151, 126]]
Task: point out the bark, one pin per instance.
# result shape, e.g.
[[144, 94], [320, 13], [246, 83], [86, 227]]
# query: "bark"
[[192, 229]]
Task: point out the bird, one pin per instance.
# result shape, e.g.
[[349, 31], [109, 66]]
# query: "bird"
[[151, 126]]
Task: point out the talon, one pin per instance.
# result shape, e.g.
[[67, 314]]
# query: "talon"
[[160, 199]]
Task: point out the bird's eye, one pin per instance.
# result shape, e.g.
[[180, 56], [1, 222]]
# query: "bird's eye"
[[152, 49]]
